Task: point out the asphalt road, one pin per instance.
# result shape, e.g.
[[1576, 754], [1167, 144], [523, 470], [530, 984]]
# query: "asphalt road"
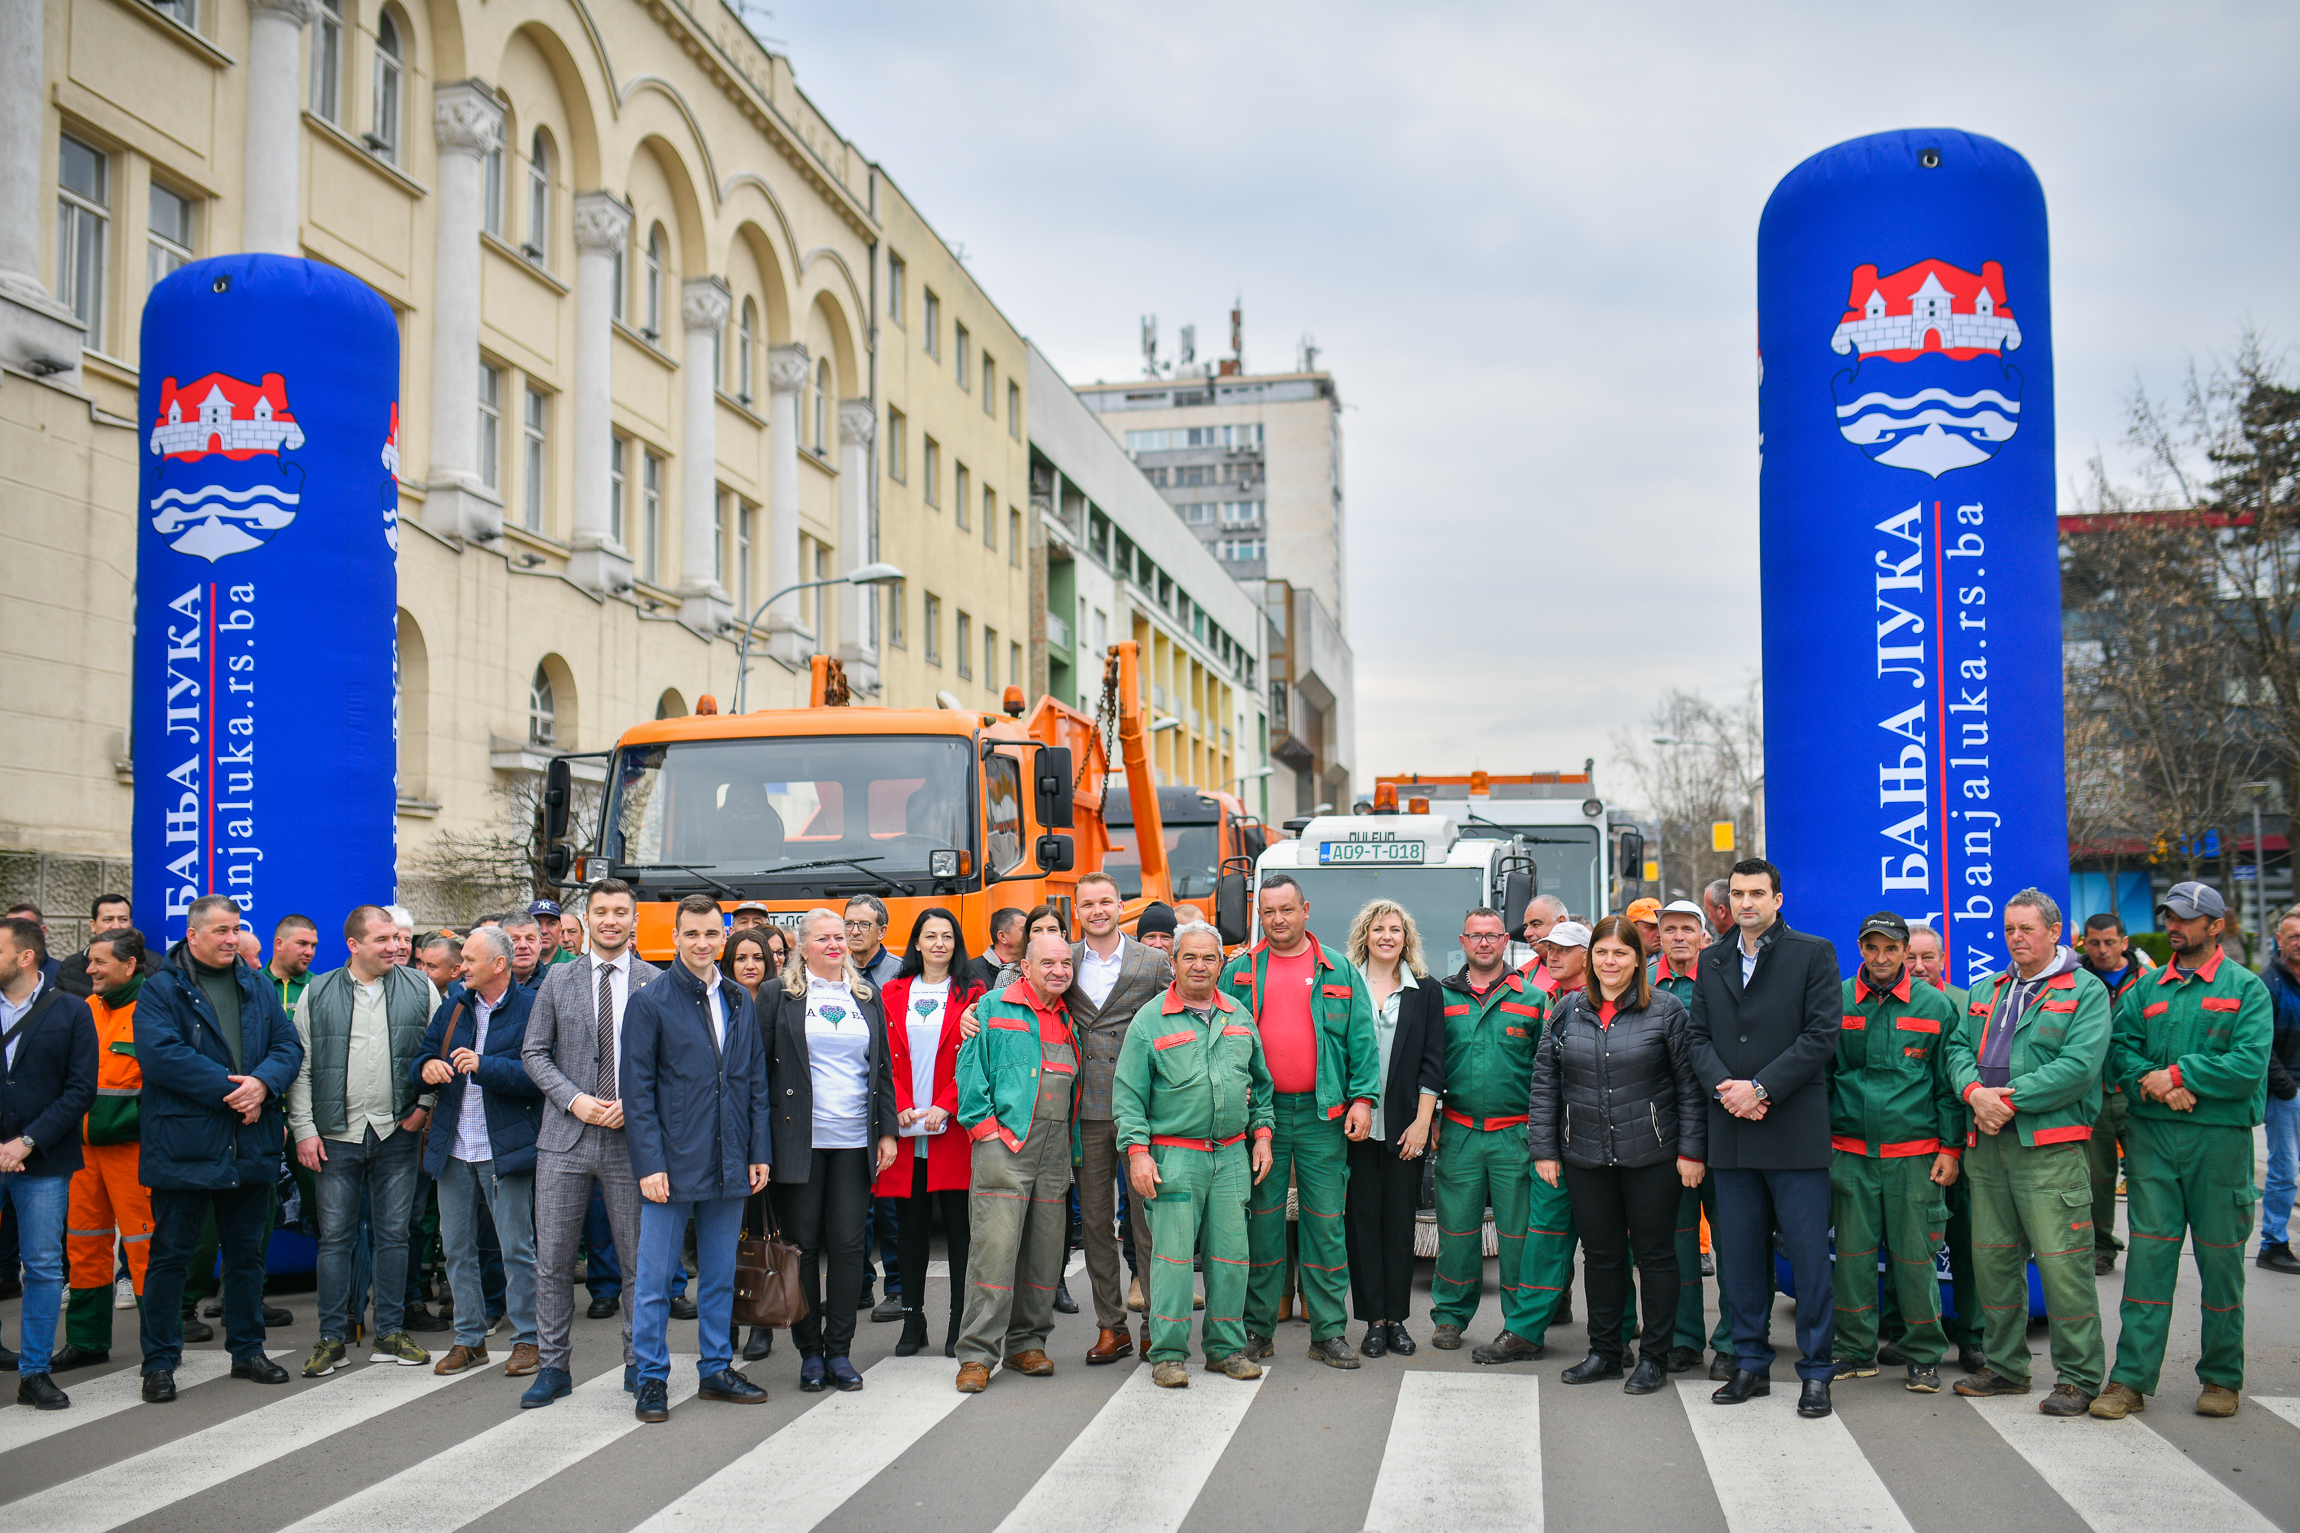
[[1430, 1442]]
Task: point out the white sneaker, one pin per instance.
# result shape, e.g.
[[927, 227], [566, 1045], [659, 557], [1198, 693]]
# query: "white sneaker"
[[123, 1295]]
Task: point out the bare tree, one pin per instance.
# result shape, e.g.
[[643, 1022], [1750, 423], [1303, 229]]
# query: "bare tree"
[[499, 864], [1697, 762]]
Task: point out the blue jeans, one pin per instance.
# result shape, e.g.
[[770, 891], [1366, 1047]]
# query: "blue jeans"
[[382, 1172], [2283, 1168], [602, 1269], [1751, 1205], [243, 1221], [39, 1202], [464, 1187], [662, 1231]]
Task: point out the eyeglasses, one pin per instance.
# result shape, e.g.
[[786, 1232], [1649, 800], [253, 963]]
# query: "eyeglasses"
[[855, 928], [1485, 936]]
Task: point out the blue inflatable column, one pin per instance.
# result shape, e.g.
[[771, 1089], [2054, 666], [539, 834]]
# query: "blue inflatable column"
[[266, 594], [1908, 540]]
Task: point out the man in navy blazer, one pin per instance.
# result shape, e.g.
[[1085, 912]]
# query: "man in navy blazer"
[[47, 1084], [693, 1074]]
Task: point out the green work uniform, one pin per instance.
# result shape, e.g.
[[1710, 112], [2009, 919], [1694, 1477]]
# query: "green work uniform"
[[1691, 1205], [1962, 1325], [1308, 1144], [1892, 1111], [2190, 1173], [2031, 1184], [1018, 1102], [2108, 1128], [1189, 1090], [1490, 1041]]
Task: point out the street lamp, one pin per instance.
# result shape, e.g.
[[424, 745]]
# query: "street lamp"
[[866, 575], [1255, 775], [1165, 724]]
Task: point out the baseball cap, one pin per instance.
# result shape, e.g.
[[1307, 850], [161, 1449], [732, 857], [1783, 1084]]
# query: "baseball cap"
[[1887, 924], [544, 908], [2190, 899], [1568, 934], [1684, 908], [1156, 917], [752, 905], [1647, 909]]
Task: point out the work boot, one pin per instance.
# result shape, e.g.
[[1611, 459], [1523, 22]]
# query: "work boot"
[[973, 1378], [417, 1318], [2216, 1401], [683, 1308], [1971, 1359], [1238, 1366], [2103, 1263], [1683, 1359], [196, 1330], [1334, 1352], [1856, 1368], [1259, 1346], [2117, 1401], [1109, 1346], [888, 1308], [1988, 1382], [1169, 1375], [1924, 1379], [2279, 1258], [2065, 1400], [1446, 1338], [1890, 1354], [1508, 1347], [72, 1355]]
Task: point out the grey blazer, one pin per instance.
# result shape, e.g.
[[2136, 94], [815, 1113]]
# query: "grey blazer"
[[563, 1037], [1143, 975]]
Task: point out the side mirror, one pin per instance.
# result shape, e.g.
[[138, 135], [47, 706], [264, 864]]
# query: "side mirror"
[[1053, 781], [1056, 854], [1632, 856], [1518, 887], [558, 795], [556, 861], [1232, 917]]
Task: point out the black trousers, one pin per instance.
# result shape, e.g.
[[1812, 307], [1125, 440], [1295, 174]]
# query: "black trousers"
[[1620, 1210], [1378, 1222], [825, 1216], [916, 1214], [1751, 1207]]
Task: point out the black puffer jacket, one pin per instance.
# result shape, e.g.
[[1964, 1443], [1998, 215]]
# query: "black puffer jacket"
[[1619, 1095]]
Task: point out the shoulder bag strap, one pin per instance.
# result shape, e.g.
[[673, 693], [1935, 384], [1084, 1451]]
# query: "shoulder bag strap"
[[39, 1009]]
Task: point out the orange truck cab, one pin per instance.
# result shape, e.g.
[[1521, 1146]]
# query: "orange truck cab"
[[1204, 833]]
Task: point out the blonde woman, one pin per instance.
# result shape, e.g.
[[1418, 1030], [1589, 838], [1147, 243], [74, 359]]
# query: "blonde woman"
[[1386, 1166], [835, 1126]]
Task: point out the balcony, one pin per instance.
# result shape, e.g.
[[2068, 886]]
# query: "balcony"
[[1057, 633]]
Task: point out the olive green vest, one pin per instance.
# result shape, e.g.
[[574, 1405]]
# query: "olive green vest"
[[406, 1004]]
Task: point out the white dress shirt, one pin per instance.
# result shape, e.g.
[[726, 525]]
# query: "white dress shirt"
[[1098, 976], [471, 1141], [619, 991], [715, 1007], [11, 1014]]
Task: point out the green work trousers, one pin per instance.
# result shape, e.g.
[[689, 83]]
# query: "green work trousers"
[[1311, 1146], [88, 1318], [1690, 1313], [2107, 1129], [1889, 1204], [1963, 1328], [1201, 1199], [1478, 1168], [2035, 1198], [2192, 1179], [1018, 1214]]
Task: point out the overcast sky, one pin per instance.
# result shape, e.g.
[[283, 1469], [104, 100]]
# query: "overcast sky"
[[1524, 236]]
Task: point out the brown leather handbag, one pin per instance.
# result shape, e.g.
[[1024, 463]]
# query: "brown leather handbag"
[[767, 1291]]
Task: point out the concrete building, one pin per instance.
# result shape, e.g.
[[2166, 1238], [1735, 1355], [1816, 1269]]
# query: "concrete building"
[[1117, 564], [643, 292], [1252, 465]]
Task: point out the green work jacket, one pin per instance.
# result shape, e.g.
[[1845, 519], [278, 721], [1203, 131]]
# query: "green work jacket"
[[2058, 1049], [1671, 983], [1341, 1011], [1184, 1081], [1489, 1048], [1889, 1088], [2212, 1030], [998, 1070]]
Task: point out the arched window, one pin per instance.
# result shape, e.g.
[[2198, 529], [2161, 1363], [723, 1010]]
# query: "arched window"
[[538, 248], [542, 711], [746, 348], [655, 283], [327, 63], [671, 705], [822, 406], [383, 139]]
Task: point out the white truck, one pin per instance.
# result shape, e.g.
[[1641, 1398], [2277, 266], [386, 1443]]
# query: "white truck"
[[1590, 857]]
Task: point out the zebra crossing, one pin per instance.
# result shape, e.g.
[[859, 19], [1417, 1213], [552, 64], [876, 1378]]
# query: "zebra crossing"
[[1464, 1450]]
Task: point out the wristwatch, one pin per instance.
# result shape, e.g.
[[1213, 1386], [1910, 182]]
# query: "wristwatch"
[[1762, 1094], [31, 1145]]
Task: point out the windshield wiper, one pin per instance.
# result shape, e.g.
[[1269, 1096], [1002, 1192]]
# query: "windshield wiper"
[[855, 863], [688, 867]]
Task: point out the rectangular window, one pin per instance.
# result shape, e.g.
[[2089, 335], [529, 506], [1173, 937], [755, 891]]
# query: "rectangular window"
[[897, 599], [1101, 630], [384, 138], [961, 350], [930, 620], [989, 517], [170, 243], [1200, 514], [822, 594], [962, 488], [989, 386], [931, 314], [897, 445], [618, 452], [1013, 664], [746, 530], [327, 63], [990, 657], [1241, 513], [616, 287], [965, 645], [933, 467], [896, 271], [491, 193], [719, 538], [650, 517], [83, 220], [1014, 537], [1244, 550], [491, 426], [185, 12], [538, 415], [1014, 409]]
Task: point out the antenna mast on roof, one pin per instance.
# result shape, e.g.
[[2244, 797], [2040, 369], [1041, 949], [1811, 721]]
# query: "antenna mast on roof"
[[1149, 345]]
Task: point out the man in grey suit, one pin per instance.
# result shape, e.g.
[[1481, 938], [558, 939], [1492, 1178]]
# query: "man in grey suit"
[[573, 1035], [1112, 977]]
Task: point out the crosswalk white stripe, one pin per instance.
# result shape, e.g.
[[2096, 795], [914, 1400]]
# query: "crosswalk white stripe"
[[138, 1486], [1440, 1470], [803, 1473], [491, 1467], [107, 1395], [1772, 1469], [2285, 1406], [2119, 1476], [1140, 1463]]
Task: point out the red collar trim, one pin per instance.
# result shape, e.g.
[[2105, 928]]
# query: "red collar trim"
[[1317, 950], [1899, 992], [1666, 972], [1020, 994], [2206, 971], [1174, 1002]]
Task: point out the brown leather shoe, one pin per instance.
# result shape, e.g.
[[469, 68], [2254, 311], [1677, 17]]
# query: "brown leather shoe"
[[525, 1359], [461, 1358], [973, 1378], [1110, 1346], [1033, 1362]]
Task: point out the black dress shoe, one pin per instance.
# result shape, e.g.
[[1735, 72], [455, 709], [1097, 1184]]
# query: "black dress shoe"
[[159, 1386], [602, 1309], [258, 1369], [1813, 1400], [1401, 1345], [654, 1401], [213, 1309], [276, 1318], [1377, 1340], [1646, 1378], [69, 1356], [733, 1388], [1334, 1352], [1063, 1303], [682, 1308], [1743, 1386], [1592, 1368], [40, 1392], [1682, 1359], [197, 1330], [761, 1344], [1721, 1368]]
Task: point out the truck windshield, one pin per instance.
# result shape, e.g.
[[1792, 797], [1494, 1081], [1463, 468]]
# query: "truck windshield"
[[1192, 852], [1437, 899], [1567, 858], [736, 807]]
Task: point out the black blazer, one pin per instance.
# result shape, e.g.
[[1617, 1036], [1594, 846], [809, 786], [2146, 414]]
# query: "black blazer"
[[791, 1077], [1781, 1033], [1417, 1055], [52, 1083]]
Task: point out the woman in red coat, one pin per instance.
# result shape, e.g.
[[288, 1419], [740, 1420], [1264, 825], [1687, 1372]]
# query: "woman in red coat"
[[923, 1002]]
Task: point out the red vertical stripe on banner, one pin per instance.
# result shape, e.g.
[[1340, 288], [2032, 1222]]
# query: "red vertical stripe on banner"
[[208, 779], [1941, 650]]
